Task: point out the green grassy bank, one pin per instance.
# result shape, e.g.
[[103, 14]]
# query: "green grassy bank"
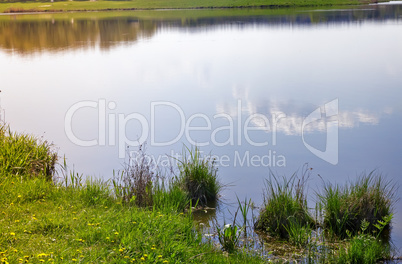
[[100, 5], [77, 221], [41, 222]]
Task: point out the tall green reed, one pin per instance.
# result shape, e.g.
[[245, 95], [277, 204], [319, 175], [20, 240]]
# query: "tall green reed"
[[285, 206], [369, 198], [198, 176]]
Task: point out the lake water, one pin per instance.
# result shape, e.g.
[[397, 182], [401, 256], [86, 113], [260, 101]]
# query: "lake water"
[[260, 89]]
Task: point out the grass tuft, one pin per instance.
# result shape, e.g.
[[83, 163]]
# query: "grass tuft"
[[198, 177], [285, 207], [25, 155], [370, 198]]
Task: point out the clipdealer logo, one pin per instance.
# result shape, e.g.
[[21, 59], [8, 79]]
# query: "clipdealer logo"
[[112, 130]]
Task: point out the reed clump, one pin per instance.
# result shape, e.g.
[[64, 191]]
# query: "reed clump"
[[141, 183], [285, 207], [370, 198], [198, 176]]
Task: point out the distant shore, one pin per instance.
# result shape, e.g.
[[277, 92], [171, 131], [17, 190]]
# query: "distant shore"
[[82, 6]]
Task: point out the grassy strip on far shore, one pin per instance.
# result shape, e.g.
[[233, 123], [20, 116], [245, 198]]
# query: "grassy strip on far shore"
[[66, 6]]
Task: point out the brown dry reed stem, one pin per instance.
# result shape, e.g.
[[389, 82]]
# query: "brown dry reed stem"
[[135, 183]]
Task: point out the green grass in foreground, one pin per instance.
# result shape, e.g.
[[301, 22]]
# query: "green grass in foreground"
[[41, 222], [163, 4], [84, 222]]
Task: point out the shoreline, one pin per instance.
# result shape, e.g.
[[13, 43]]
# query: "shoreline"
[[159, 5]]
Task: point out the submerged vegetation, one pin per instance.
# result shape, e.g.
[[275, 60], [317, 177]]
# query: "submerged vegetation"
[[143, 216]]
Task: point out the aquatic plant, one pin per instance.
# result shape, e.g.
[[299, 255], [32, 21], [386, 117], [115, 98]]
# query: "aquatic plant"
[[229, 236], [285, 207], [370, 198], [198, 176], [298, 234], [365, 248], [244, 209]]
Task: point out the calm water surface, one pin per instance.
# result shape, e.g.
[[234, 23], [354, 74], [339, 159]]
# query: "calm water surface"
[[260, 89]]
